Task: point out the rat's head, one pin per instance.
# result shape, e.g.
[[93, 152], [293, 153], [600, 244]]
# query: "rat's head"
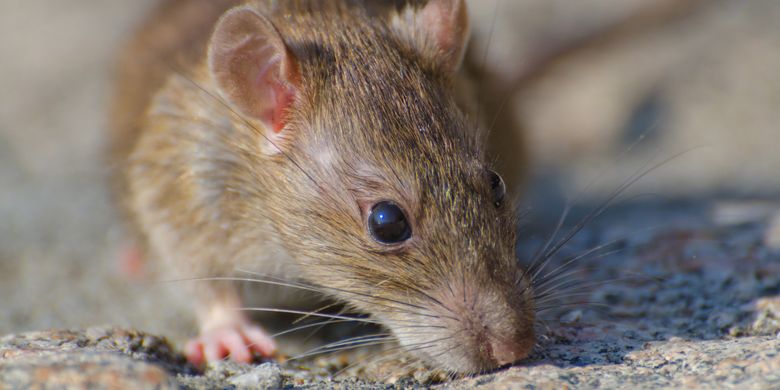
[[381, 188]]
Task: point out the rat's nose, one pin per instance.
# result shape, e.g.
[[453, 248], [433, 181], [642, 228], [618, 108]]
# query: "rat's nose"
[[505, 351]]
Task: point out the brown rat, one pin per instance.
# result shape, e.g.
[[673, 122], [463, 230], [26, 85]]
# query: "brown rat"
[[322, 141]]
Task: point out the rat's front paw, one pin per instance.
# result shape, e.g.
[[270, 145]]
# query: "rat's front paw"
[[236, 342]]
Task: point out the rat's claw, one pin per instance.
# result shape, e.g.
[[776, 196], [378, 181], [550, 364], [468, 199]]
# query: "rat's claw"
[[238, 343]]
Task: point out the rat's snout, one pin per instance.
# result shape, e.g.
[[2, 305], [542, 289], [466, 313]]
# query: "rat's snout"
[[483, 326], [507, 352], [496, 324], [497, 334]]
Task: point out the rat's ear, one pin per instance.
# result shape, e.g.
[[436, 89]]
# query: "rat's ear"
[[439, 30], [252, 66]]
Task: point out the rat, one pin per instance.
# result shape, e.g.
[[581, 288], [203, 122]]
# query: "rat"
[[321, 141]]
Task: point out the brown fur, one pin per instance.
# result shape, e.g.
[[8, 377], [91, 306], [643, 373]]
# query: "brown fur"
[[375, 119]]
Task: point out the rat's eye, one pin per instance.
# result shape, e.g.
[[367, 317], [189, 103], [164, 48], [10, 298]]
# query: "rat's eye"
[[497, 187], [387, 223]]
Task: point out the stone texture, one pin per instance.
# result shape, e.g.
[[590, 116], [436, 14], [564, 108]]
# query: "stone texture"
[[739, 364], [264, 376], [82, 370], [99, 358], [685, 295]]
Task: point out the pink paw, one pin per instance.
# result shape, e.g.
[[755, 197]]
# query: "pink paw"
[[237, 342]]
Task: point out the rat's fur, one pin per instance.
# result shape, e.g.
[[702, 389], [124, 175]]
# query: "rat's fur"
[[210, 189]]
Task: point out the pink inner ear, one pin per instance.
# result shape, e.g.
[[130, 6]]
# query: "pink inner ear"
[[284, 96], [269, 84]]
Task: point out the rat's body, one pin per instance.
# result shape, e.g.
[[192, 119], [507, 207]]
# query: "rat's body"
[[320, 140]]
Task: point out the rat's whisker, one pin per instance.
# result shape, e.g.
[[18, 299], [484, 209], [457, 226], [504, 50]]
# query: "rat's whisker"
[[543, 248], [349, 343], [541, 252], [385, 341], [555, 298], [318, 310], [314, 331], [307, 326], [598, 211], [305, 287], [356, 342], [407, 365], [540, 294], [563, 273], [302, 327], [321, 289], [391, 353], [249, 280], [583, 287], [540, 280], [544, 279], [289, 311], [638, 175], [568, 305], [277, 282]]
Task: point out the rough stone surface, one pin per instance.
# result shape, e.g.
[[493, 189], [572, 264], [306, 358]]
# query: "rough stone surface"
[[751, 362], [267, 375], [78, 369], [686, 292], [101, 358]]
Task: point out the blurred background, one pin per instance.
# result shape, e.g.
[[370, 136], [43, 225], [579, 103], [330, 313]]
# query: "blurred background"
[[602, 88]]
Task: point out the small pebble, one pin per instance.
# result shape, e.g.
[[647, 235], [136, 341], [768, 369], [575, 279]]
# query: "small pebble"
[[264, 376]]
